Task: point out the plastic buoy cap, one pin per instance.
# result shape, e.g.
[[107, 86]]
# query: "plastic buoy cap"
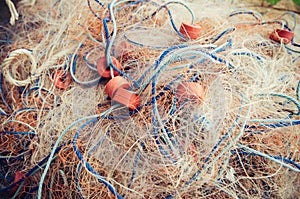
[[103, 68], [62, 79], [127, 98], [189, 90], [114, 84], [190, 31], [18, 176], [284, 35]]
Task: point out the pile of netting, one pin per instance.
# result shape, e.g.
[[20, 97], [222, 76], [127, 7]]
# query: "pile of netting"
[[117, 99]]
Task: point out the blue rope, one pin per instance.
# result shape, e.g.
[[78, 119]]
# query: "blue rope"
[[154, 121], [171, 18], [222, 34], [280, 124], [159, 60], [80, 165], [294, 44], [25, 109], [290, 99], [106, 30], [140, 44], [138, 155], [250, 54], [275, 157], [90, 83], [226, 134], [171, 21], [31, 171], [78, 187], [93, 12], [194, 177], [87, 165], [32, 190], [91, 65], [246, 13], [18, 133], [298, 91], [38, 89]]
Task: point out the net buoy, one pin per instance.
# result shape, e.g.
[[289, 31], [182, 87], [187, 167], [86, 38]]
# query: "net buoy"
[[190, 31], [114, 84]]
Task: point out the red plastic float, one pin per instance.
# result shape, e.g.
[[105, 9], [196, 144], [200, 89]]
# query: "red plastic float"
[[190, 31], [18, 176], [189, 90], [103, 68], [62, 79], [127, 98], [282, 35], [114, 84]]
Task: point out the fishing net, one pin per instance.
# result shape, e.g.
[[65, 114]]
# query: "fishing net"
[[216, 116]]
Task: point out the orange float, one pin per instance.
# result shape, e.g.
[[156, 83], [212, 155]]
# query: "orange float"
[[127, 98], [189, 90], [282, 35], [62, 79], [114, 84], [190, 31], [18, 176], [103, 68]]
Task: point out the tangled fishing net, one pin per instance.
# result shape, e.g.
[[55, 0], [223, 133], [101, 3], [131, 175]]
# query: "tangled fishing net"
[[215, 116]]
